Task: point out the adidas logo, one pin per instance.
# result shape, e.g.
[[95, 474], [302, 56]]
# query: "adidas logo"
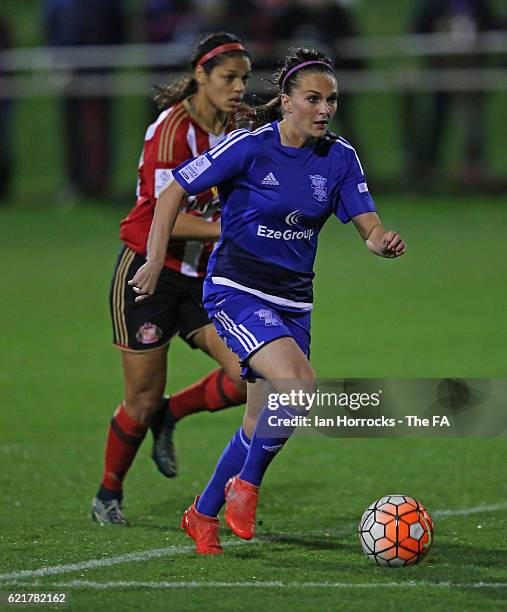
[[270, 179]]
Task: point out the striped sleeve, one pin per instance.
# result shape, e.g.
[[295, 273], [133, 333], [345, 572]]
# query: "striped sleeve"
[[224, 162], [354, 196], [166, 147], [167, 140]]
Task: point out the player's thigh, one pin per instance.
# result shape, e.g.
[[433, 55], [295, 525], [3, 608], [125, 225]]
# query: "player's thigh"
[[144, 379], [284, 365], [262, 333], [208, 340], [286, 368]]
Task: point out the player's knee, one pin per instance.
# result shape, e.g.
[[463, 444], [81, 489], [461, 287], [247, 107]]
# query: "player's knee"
[[233, 372], [304, 377], [303, 385], [142, 404], [230, 365]]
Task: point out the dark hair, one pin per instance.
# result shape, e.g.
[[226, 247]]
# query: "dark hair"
[[176, 91], [272, 110]]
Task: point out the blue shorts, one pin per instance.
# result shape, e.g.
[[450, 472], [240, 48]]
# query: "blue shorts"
[[246, 322]]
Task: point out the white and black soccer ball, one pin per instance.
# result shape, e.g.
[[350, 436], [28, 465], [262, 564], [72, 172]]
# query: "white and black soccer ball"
[[396, 530]]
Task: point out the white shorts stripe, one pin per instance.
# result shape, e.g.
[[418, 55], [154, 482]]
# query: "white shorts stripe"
[[247, 339], [245, 343], [247, 334], [220, 280], [228, 328], [241, 329]]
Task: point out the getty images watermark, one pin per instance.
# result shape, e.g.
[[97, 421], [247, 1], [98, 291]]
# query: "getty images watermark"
[[391, 408], [352, 401]]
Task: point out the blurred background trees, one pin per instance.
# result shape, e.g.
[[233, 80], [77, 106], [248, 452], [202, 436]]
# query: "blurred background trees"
[[424, 113]]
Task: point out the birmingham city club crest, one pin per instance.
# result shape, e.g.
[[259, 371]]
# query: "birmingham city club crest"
[[268, 316], [319, 187]]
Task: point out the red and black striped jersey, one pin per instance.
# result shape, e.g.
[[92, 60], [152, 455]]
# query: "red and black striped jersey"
[[173, 138]]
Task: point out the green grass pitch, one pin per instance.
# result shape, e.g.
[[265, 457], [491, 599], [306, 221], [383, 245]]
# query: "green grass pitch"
[[439, 311]]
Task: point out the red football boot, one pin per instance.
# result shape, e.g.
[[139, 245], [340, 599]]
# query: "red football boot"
[[240, 505], [202, 529]]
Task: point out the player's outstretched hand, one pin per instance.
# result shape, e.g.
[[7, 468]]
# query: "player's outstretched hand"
[[145, 280], [392, 244]]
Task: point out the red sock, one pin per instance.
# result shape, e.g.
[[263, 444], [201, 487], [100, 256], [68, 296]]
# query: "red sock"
[[124, 438], [213, 392]]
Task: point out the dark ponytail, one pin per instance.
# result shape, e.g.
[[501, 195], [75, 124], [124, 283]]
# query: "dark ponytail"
[[272, 110], [176, 91]]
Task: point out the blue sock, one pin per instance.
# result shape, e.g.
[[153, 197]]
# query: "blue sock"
[[230, 463], [267, 441]]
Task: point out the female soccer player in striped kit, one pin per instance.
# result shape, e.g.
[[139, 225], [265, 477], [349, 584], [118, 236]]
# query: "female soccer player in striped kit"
[[198, 113], [278, 186]]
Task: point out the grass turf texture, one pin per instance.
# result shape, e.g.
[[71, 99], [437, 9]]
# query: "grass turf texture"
[[436, 312]]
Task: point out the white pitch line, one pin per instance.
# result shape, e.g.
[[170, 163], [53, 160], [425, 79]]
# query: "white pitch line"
[[144, 555], [466, 511], [155, 553], [128, 584]]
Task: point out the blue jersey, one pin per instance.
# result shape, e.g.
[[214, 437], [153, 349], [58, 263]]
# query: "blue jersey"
[[275, 200]]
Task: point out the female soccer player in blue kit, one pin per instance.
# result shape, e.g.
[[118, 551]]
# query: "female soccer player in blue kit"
[[278, 186]]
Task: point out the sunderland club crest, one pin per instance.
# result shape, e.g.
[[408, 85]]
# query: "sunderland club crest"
[[149, 333], [319, 187]]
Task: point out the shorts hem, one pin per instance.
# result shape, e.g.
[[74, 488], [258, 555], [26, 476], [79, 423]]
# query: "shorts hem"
[[190, 335], [129, 349]]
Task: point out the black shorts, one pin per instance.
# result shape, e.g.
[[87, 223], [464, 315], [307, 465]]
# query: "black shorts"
[[175, 308]]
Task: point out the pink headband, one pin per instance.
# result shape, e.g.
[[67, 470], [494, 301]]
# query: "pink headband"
[[232, 46], [299, 66]]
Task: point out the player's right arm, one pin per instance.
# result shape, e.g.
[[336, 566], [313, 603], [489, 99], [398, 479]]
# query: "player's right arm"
[[146, 278], [195, 175]]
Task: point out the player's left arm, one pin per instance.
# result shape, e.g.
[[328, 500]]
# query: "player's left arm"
[[378, 240]]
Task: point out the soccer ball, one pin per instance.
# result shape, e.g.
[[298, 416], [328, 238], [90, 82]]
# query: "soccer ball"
[[396, 530]]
